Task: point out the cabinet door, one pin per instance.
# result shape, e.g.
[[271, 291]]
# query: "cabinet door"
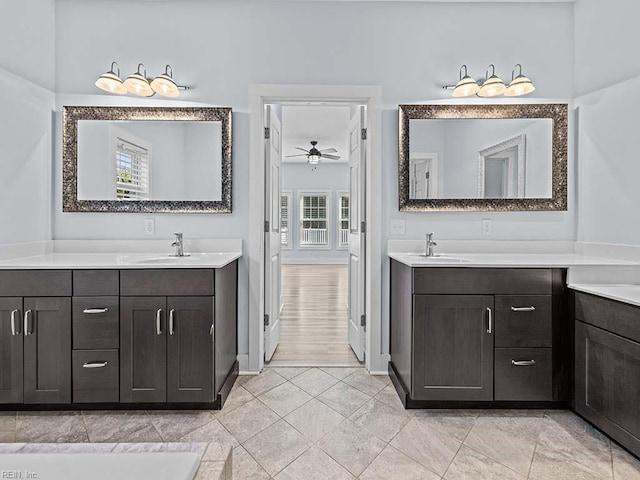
[[608, 383], [143, 350], [190, 349], [453, 347], [11, 363], [47, 350]]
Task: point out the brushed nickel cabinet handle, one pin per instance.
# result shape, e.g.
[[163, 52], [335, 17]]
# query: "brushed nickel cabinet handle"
[[490, 326], [95, 364], [523, 363], [172, 313], [95, 311], [159, 322], [27, 314], [211, 330], [523, 309], [14, 317]]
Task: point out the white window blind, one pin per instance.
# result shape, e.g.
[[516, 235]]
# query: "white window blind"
[[314, 223], [285, 219], [132, 171], [343, 220]]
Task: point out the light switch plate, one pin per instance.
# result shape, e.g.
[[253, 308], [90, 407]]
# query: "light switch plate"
[[397, 226], [487, 228], [149, 226]]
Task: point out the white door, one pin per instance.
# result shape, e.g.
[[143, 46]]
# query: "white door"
[[356, 234], [272, 298]]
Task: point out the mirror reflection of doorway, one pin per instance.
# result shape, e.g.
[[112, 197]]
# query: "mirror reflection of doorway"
[[501, 174], [423, 175]]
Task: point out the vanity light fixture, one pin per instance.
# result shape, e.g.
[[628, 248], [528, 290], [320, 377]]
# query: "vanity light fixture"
[[164, 85], [466, 86], [138, 84], [111, 82], [493, 85], [519, 85]]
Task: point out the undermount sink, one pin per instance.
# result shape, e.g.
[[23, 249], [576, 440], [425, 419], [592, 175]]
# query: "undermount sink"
[[169, 259], [438, 258]]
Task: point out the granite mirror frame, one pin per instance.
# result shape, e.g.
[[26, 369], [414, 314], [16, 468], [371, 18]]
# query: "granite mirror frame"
[[73, 114], [558, 113]]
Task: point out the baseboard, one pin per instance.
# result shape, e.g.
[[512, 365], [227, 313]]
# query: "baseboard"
[[315, 261]]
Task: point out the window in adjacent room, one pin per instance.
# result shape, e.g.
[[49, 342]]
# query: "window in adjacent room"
[[285, 219], [343, 219], [314, 220]]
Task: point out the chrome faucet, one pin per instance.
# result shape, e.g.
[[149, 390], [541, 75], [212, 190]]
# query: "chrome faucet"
[[179, 244], [429, 245]]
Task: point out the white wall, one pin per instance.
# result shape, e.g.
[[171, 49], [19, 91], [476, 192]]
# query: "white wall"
[[26, 106], [298, 177], [608, 82], [220, 48]]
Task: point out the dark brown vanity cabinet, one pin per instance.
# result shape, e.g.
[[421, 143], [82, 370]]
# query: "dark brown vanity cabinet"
[[35, 337], [476, 335], [607, 363]]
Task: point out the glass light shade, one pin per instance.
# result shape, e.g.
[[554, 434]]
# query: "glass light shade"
[[164, 85], [111, 83], [465, 87], [494, 86], [521, 85], [314, 159], [138, 85]]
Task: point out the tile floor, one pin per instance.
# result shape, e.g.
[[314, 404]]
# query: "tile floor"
[[340, 423]]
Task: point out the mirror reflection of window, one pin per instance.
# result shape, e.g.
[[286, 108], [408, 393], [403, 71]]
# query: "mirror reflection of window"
[[132, 171]]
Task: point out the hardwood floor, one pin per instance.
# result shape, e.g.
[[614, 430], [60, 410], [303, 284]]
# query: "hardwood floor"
[[313, 323]]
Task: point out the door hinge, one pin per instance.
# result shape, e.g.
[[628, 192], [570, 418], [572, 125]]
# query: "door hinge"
[[267, 133], [266, 226], [363, 227], [363, 321], [266, 320], [363, 134]]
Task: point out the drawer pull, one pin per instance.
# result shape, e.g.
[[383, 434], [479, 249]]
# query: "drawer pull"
[[490, 326], [95, 364], [95, 311], [172, 314], [523, 363], [27, 314], [14, 317], [159, 322], [523, 309]]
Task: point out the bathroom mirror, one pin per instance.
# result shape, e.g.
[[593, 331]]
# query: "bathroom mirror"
[[147, 159], [483, 157]]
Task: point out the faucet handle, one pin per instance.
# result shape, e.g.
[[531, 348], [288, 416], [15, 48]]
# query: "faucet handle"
[[430, 236], [178, 234]]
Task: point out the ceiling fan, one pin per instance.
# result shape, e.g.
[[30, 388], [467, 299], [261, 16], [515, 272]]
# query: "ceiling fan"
[[314, 155]]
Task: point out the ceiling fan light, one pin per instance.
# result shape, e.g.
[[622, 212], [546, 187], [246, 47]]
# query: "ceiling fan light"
[[521, 85], [314, 159]]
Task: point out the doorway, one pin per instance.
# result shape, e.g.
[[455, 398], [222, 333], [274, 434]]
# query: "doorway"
[[261, 180], [315, 166]]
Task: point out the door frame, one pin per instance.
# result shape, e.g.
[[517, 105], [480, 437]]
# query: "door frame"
[[371, 96]]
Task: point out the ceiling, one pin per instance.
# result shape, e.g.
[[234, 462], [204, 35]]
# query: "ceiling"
[[329, 125]]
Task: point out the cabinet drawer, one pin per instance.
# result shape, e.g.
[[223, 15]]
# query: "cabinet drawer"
[[96, 282], [176, 282], [615, 317], [523, 321], [532, 380], [35, 283], [95, 376], [482, 281], [96, 322]]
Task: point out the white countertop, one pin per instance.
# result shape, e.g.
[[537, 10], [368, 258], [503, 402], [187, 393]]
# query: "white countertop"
[[119, 261], [505, 260], [622, 293]]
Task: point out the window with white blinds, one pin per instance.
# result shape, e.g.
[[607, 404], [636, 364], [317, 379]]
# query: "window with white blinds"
[[343, 219], [285, 219], [132, 171], [314, 220]]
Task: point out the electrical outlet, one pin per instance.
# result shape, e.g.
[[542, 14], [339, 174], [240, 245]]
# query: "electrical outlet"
[[397, 226], [149, 226], [487, 229]]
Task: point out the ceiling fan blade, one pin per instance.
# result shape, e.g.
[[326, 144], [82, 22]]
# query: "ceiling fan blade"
[[331, 157], [302, 149], [301, 155], [328, 150]]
